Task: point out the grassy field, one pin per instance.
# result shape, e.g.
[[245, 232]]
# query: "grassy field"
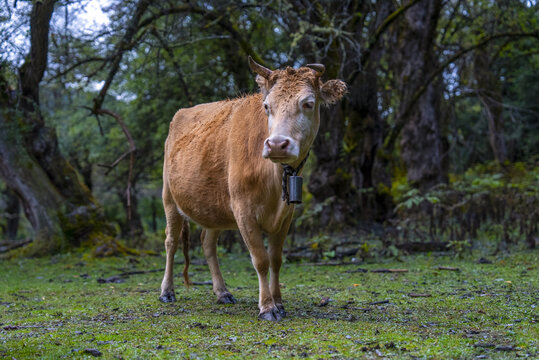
[[56, 308]]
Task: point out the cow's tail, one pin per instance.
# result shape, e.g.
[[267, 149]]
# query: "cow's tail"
[[184, 235]]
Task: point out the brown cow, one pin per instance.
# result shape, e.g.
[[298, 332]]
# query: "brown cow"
[[223, 169]]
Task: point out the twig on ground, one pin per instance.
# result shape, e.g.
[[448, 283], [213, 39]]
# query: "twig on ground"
[[414, 295], [379, 302], [331, 263], [389, 270], [448, 268], [201, 282]]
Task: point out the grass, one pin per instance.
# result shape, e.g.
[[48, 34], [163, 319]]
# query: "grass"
[[55, 308]]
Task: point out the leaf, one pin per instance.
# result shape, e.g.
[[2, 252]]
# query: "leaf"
[[433, 199], [324, 301]]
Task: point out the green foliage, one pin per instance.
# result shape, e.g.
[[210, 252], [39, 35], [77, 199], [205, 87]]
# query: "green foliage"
[[413, 198], [487, 204], [310, 213]]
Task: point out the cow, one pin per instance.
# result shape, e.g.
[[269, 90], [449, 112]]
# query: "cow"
[[223, 169]]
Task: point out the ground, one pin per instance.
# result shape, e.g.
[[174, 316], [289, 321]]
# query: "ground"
[[56, 307]]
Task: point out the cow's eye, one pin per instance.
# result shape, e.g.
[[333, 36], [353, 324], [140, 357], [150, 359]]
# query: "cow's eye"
[[308, 105]]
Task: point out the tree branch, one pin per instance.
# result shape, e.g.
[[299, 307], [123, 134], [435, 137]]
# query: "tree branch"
[[122, 46], [216, 18], [31, 72], [175, 64], [130, 152], [382, 28], [401, 121], [77, 64]]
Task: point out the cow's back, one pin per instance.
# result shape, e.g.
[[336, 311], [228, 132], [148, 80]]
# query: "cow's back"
[[198, 151]]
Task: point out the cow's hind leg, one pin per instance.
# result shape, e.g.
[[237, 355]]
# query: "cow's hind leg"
[[176, 225], [209, 245]]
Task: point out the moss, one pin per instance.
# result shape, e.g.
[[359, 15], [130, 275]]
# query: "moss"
[[399, 183], [84, 224], [343, 174], [105, 246]]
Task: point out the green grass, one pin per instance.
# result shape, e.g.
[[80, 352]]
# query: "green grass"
[[54, 308]]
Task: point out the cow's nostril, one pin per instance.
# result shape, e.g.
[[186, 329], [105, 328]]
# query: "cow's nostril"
[[277, 146]]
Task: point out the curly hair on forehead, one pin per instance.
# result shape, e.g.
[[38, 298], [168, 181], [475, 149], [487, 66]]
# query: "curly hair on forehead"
[[294, 78]]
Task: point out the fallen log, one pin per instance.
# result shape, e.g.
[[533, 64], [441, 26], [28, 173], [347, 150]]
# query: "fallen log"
[[8, 246]]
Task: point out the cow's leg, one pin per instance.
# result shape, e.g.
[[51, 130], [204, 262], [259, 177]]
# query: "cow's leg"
[[209, 245], [175, 224], [252, 235], [275, 248]]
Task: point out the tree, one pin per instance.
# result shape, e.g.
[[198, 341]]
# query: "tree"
[[423, 145], [347, 36], [57, 203]]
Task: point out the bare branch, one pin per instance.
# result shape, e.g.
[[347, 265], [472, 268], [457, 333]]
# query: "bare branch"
[[383, 27], [175, 64], [122, 46], [77, 64], [116, 162], [130, 152], [216, 18], [390, 140]]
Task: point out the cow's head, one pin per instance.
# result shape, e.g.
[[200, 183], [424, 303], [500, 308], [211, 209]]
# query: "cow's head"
[[292, 99]]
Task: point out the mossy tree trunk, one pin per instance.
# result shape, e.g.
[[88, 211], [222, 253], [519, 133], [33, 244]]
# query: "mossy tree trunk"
[[59, 206], [424, 148], [12, 213], [349, 169]]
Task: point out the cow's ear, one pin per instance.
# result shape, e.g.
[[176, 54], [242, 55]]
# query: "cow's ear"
[[263, 83], [332, 91]]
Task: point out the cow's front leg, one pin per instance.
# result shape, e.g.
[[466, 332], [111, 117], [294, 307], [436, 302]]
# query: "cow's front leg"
[[275, 248], [209, 245], [276, 259], [252, 235]]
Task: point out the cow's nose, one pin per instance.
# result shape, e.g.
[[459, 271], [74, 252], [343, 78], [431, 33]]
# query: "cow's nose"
[[278, 143]]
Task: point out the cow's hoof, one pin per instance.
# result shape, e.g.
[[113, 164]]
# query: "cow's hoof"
[[168, 297], [226, 298], [281, 310], [272, 315]]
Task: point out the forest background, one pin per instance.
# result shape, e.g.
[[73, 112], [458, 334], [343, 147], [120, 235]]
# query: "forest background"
[[434, 148]]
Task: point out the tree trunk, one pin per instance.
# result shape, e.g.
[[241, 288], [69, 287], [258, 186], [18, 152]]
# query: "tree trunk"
[[424, 149], [349, 170], [60, 208], [13, 210], [366, 129], [349, 165], [489, 93], [329, 181]]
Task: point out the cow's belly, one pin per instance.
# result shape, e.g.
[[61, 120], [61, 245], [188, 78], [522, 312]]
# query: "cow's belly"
[[198, 184], [204, 211]]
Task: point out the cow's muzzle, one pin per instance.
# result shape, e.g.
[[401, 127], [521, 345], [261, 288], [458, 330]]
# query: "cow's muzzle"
[[279, 148]]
